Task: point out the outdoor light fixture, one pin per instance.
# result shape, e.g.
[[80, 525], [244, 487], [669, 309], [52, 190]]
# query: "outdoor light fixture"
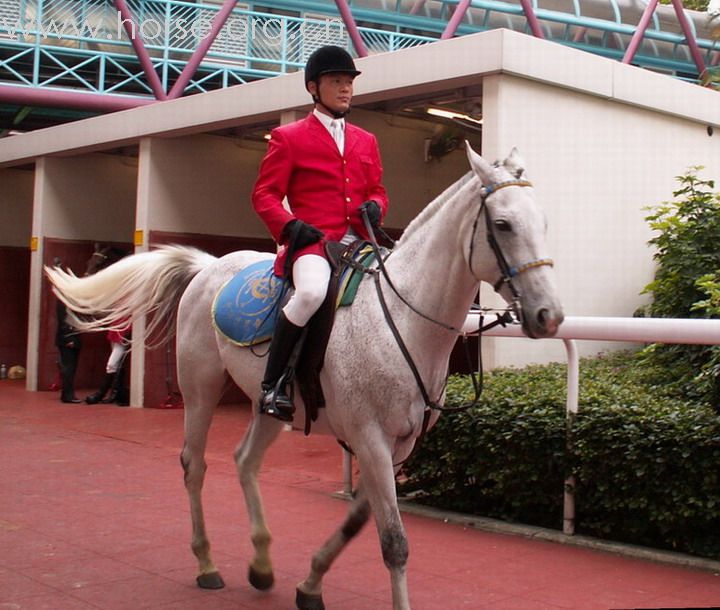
[[451, 114]]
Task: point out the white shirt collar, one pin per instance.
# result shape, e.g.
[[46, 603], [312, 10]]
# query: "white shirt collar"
[[326, 120]]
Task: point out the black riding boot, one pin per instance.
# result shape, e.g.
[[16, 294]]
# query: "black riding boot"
[[119, 392], [106, 384], [274, 400]]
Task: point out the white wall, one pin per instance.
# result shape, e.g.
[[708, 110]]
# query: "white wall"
[[411, 182], [595, 163], [16, 196], [201, 184], [86, 197]]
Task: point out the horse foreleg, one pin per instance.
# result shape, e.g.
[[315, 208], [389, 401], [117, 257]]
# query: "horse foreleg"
[[248, 458], [197, 424], [309, 592], [378, 476]]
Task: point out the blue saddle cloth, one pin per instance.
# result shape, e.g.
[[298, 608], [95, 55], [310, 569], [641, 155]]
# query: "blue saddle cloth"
[[244, 308]]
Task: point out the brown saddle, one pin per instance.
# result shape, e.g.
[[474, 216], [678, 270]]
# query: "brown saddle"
[[312, 356]]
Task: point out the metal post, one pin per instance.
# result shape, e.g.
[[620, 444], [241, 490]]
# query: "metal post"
[[532, 19], [61, 98], [417, 7], [202, 49], [347, 473], [639, 32], [352, 27], [689, 36], [136, 40], [571, 409], [455, 20]]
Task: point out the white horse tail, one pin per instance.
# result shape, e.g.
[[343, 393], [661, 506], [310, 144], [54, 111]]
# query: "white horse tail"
[[146, 284]]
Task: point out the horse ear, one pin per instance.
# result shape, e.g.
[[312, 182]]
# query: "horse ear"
[[514, 164], [482, 168]]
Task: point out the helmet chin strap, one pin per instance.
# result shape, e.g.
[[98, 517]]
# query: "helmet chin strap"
[[335, 114]]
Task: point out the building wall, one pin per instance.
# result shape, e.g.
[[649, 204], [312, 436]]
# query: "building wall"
[[77, 201], [601, 140], [202, 184], [596, 164], [89, 197], [411, 181]]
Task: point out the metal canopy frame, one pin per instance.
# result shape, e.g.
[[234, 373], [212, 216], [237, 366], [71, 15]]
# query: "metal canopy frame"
[[145, 75]]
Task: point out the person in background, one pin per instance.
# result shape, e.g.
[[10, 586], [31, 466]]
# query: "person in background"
[[113, 384], [67, 340]]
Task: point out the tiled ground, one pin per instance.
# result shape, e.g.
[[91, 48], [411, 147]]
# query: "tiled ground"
[[93, 515]]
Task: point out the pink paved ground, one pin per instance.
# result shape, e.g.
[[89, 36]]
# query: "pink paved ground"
[[93, 514]]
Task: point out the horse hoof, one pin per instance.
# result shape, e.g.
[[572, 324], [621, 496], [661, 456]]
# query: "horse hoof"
[[304, 601], [211, 580], [262, 582]]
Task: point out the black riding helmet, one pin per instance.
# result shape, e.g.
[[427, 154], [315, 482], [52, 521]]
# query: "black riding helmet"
[[327, 60]]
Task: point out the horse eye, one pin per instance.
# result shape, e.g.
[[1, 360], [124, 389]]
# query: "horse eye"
[[503, 225]]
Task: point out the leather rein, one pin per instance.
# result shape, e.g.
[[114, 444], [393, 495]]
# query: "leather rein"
[[507, 273]]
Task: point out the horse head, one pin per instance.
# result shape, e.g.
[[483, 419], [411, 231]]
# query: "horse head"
[[507, 246]]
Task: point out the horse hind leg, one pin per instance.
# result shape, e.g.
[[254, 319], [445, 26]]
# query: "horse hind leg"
[[309, 592], [208, 575], [248, 459], [199, 408]]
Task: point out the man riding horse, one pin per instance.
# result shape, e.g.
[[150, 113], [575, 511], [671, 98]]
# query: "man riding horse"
[[330, 171]]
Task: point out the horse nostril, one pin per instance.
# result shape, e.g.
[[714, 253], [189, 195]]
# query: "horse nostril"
[[542, 317]]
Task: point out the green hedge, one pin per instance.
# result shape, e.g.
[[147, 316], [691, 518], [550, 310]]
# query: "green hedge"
[[647, 464]]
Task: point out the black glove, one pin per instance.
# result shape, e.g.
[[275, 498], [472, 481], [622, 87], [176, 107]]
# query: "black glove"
[[299, 234], [373, 211]]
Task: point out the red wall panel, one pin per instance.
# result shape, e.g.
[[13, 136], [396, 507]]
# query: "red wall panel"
[[15, 282]]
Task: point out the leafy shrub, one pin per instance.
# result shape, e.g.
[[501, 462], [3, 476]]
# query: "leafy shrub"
[[647, 465], [503, 458], [687, 283]]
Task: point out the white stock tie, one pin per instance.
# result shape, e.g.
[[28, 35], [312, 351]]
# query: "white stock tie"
[[338, 134]]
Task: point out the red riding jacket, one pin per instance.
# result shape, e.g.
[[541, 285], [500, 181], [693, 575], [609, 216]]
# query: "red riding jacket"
[[323, 187]]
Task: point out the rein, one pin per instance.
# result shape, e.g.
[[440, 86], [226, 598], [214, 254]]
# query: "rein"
[[507, 273]]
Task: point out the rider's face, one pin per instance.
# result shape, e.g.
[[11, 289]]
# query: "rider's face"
[[335, 90]]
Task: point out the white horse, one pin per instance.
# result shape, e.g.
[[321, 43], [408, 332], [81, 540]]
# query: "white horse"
[[484, 227]]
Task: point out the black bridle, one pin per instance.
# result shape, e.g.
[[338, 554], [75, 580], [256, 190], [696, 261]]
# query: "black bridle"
[[507, 273]]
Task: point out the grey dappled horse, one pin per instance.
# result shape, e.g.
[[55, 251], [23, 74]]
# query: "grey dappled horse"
[[485, 227]]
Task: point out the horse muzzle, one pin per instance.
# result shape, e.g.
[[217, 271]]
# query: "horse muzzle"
[[542, 322]]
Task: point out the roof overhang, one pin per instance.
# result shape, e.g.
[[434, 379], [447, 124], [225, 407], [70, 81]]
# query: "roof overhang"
[[427, 70]]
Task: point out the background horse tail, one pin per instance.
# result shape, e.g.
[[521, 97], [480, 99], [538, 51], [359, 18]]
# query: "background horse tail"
[[146, 284]]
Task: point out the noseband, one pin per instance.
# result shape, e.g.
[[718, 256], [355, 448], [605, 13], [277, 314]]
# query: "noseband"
[[507, 271]]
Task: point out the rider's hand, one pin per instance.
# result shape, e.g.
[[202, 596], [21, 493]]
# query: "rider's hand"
[[300, 234], [373, 211]]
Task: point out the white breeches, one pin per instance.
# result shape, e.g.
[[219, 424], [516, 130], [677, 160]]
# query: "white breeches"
[[311, 275], [116, 357]]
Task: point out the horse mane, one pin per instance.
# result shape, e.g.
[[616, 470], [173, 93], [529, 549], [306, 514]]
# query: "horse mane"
[[432, 208]]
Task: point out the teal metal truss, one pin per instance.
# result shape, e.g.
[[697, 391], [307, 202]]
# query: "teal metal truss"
[[144, 50]]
